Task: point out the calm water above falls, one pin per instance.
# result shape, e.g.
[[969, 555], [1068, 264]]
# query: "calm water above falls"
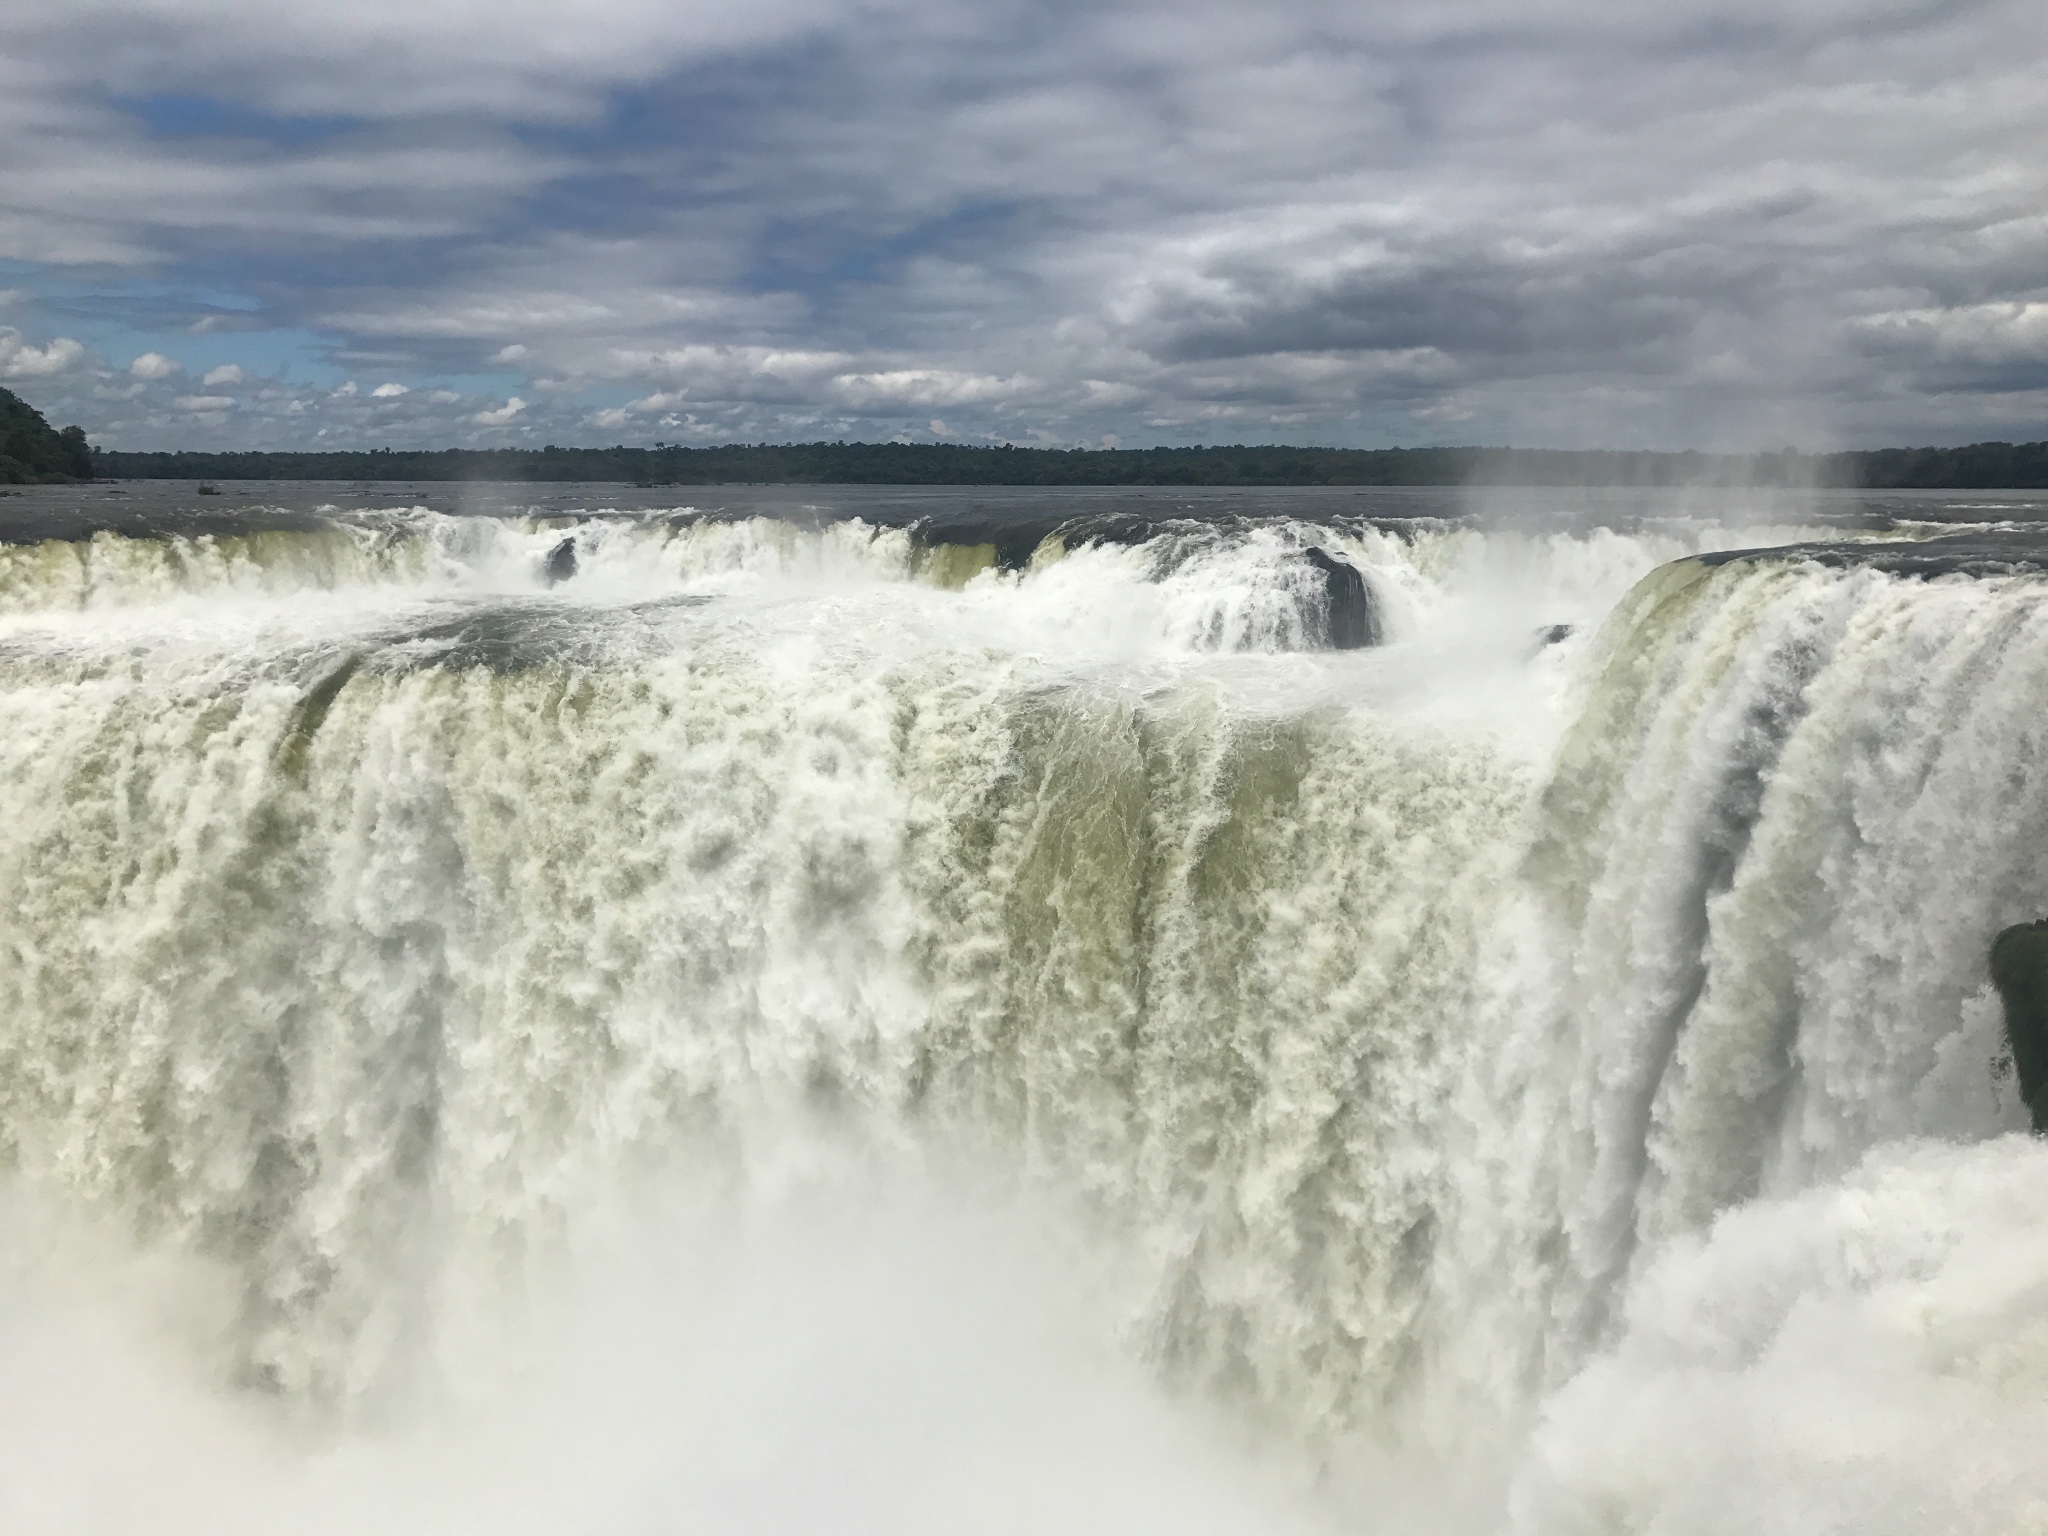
[[583, 1009]]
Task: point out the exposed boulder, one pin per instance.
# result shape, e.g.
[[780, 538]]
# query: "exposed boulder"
[[1354, 622], [34, 453], [561, 562], [2019, 969]]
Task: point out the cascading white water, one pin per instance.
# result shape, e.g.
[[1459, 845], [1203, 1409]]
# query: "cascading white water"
[[387, 928]]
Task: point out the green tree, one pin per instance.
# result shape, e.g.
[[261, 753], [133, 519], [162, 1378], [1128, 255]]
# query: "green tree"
[[33, 453]]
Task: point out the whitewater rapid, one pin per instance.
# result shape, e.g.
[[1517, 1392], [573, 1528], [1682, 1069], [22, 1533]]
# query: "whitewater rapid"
[[1012, 1034]]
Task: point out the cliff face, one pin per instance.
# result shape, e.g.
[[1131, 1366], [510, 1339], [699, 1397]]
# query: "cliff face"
[[32, 452]]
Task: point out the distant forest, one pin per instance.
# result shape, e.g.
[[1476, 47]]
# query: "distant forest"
[[1980, 466]]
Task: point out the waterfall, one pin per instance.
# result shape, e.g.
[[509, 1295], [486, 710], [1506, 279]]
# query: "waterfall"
[[1431, 1044]]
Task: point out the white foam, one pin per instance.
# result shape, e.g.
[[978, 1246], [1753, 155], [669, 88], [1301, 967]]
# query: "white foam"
[[1870, 1356]]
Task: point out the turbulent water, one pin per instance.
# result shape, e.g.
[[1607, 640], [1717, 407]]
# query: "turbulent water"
[[880, 1011]]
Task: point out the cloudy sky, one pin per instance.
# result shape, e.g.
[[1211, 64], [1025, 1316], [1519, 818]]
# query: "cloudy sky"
[[1715, 223]]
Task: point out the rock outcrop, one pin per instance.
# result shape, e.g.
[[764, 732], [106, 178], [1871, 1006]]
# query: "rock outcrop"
[[561, 563], [1354, 622], [2019, 969]]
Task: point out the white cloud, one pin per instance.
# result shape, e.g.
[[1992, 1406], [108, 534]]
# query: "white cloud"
[[226, 373], [154, 365], [926, 386], [204, 402], [390, 391], [503, 414], [19, 360]]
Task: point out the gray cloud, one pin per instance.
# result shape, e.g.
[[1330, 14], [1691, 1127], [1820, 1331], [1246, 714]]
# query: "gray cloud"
[[1547, 220], [508, 60]]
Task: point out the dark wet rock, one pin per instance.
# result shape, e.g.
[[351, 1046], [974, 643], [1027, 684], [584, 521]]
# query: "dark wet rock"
[[561, 562], [1551, 634], [2019, 969], [1354, 622]]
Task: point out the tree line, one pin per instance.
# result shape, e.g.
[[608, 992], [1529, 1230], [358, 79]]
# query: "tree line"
[[1977, 466]]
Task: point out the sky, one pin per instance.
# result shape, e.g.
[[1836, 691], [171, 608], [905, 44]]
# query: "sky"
[[430, 223]]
